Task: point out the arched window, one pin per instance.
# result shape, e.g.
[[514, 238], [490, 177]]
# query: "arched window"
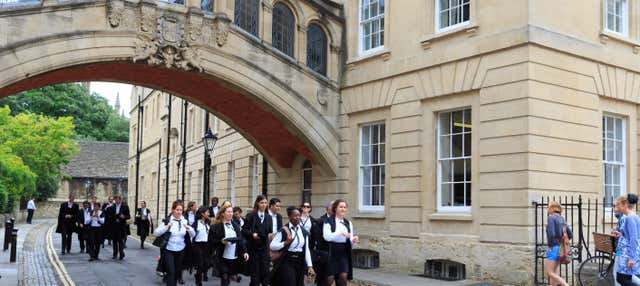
[[206, 5], [246, 15], [317, 49], [283, 28], [306, 181]]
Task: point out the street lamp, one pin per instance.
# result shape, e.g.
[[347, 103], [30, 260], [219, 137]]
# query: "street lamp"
[[209, 139]]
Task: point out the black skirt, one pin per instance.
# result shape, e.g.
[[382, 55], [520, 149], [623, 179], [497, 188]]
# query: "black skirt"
[[338, 259]]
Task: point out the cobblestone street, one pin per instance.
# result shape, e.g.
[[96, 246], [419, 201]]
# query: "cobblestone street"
[[34, 267]]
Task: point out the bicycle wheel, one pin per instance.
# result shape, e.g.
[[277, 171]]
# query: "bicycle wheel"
[[596, 271]]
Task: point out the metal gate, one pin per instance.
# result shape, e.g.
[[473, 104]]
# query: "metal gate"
[[584, 216]]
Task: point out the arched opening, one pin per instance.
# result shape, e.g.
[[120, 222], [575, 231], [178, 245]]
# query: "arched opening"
[[317, 49]]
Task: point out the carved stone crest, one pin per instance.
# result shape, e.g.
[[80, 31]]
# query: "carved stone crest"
[[168, 46], [322, 96], [221, 24], [115, 12]]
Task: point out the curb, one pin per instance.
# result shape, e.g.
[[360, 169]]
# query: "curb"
[[58, 266]]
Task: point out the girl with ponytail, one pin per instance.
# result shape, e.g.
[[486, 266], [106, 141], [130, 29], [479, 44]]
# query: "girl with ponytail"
[[628, 240]]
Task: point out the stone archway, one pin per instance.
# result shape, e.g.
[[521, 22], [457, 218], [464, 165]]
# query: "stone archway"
[[283, 110]]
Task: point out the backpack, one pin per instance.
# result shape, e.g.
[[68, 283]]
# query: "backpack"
[[565, 255]]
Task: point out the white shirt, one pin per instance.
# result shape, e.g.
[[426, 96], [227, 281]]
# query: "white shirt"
[[86, 218], [178, 231], [202, 235], [306, 223], [144, 214], [229, 249], [297, 243], [274, 222], [215, 211], [337, 236], [191, 217], [118, 208], [31, 205], [261, 216], [95, 222]]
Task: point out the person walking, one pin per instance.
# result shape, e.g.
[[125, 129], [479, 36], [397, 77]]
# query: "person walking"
[[31, 208], [108, 233], [143, 222], [83, 233], [214, 208], [201, 248], [95, 223], [628, 240], [340, 234], [237, 216], [555, 226], [295, 260], [67, 223], [256, 231], [276, 218], [226, 238], [173, 252], [306, 220], [320, 247], [118, 214]]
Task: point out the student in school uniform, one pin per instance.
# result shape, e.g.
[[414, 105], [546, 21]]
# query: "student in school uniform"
[[226, 238], [143, 222], [83, 233], [94, 224], [306, 220], [117, 215], [237, 216], [320, 247], [200, 244], [67, 223], [340, 234], [256, 231], [174, 251], [274, 213], [295, 260]]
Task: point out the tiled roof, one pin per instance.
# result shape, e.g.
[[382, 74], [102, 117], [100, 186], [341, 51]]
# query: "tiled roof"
[[99, 160]]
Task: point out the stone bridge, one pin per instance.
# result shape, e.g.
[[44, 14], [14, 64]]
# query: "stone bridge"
[[255, 64]]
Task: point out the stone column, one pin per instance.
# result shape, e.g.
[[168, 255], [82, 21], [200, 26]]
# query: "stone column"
[[266, 19]]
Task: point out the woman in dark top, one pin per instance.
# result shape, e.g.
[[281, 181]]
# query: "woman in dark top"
[[143, 222], [226, 238], [256, 230], [555, 225], [339, 233]]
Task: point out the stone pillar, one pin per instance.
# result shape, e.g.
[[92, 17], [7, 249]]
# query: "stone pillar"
[[266, 19], [301, 41], [194, 5], [225, 7]]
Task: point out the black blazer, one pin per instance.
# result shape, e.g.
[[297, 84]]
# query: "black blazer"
[[252, 225], [117, 224], [318, 246], [67, 225], [216, 234]]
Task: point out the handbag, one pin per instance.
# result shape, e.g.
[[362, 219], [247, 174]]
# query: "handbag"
[[163, 240], [276, 255], [566, 255]]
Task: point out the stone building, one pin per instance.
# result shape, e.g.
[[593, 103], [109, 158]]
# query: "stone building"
[[439, 121], [98, 169]]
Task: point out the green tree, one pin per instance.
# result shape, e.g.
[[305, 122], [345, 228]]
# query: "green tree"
[[43, 143], [16, 179], [92, 115]]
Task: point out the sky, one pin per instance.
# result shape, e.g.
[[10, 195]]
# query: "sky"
[[111, 89]]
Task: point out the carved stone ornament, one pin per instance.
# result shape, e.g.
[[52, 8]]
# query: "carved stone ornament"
[[168, 47], [221, 24], [322, 97], [115, 12]]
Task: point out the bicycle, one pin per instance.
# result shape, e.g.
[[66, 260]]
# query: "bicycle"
[[598, 270]]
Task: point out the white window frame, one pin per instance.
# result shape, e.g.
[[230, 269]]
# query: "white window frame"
[[622, 164], [361, 205], [451, 27], [624, 18], [361, 23], [232, 182], [254, 177], [440, 207]]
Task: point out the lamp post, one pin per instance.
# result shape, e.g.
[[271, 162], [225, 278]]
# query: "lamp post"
[[209, 139]]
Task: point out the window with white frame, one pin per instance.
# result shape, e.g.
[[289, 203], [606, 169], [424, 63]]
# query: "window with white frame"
[[613, 155], [454, 160], [307, 178], [371, 24], [616, 17], [232, 182], [372, 166], [452, 13], [254, 177]]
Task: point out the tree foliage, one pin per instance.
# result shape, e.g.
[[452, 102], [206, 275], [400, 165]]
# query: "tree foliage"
[[92, 115], [33, 148]]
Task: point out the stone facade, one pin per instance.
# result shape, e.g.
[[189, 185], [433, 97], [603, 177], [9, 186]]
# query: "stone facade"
[[537, 77]]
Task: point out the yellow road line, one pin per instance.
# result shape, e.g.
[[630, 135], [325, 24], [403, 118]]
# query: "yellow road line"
[[55, 261]]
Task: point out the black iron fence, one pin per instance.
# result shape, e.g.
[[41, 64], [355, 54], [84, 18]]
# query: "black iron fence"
[[585, 215]]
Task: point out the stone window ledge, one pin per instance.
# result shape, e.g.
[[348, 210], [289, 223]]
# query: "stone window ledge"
[[605, 36], [451, 216], [384, 54], [369, 215], [470, 29]]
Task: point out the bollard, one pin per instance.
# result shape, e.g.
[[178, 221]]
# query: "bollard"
[[8, 226], [14, 242]]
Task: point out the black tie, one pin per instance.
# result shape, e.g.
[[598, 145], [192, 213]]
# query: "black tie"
[[179, 224], [227, 224], [261, 218]]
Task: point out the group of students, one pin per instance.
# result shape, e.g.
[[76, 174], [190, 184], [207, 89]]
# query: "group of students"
[[627, 234], [94, 223], [259, 245]]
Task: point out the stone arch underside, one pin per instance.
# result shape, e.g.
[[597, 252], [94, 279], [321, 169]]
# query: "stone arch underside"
[[275, 120]]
